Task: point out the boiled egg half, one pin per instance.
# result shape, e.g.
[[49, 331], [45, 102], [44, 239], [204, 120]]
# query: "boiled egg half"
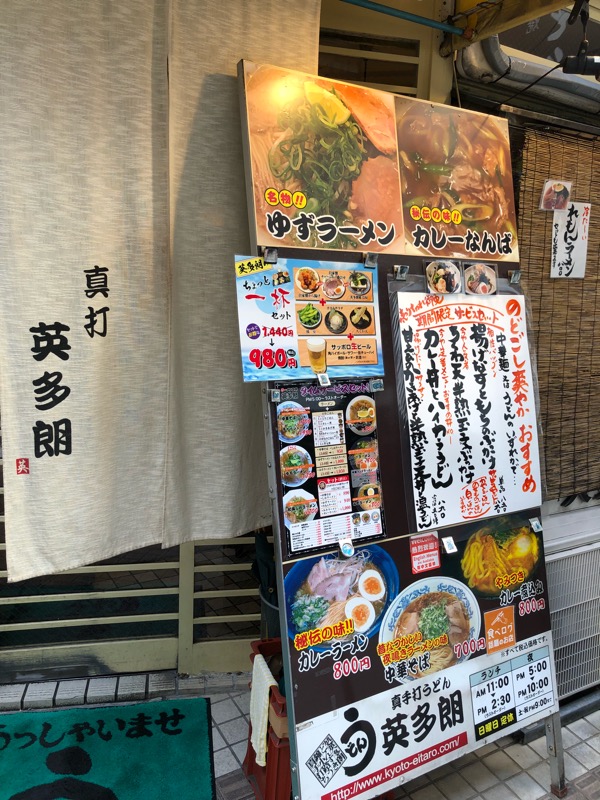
[[371, 585], [361, 612]]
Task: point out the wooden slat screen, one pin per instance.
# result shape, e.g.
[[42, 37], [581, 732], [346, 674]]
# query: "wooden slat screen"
[[565, 313]]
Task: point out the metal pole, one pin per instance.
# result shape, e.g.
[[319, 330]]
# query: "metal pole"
[[406, 15], [185, 628], [558, 784]]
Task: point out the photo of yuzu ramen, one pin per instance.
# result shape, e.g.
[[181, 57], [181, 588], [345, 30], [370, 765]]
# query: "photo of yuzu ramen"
[[332, 142]]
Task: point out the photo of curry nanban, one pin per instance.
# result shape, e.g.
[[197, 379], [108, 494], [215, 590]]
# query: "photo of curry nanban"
[[436, 614], [457, 161], [491, 556]]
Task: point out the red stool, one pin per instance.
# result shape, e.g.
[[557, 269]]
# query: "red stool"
[[274, 781]]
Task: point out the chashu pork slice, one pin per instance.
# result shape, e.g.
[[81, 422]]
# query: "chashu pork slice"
[[370, 109], [317, 574], [376, 191], [335, 587]]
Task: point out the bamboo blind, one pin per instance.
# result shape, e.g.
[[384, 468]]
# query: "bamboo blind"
[[565, 320]]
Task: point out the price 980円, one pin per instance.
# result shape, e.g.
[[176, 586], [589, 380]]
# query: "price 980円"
[[269, 358]]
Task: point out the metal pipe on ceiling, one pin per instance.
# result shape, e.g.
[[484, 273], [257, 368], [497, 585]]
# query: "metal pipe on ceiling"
[[407, 16], [486, 62]]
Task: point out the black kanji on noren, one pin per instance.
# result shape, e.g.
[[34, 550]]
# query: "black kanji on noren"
[[52, 439], [96, 280], [49, 338]]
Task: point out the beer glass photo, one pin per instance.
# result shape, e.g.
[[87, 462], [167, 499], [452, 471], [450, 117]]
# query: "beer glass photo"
[[316, 347]]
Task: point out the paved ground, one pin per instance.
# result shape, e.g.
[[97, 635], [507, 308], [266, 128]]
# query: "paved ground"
[[506, 770]]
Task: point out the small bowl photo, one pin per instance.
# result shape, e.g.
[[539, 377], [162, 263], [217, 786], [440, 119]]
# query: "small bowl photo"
[[359, 283], [361, 317], [336, 321], [443, 277], [333, 287], [309, 316], [480, 279]]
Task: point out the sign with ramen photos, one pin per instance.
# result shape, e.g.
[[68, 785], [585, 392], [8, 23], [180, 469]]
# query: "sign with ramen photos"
[[470, 407], [329, 465], [335, 166], [397, 673]]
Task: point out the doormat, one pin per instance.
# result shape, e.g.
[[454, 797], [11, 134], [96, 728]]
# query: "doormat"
[[144, 751]]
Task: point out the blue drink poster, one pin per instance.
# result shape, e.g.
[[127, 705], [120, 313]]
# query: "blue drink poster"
[[299, 318]]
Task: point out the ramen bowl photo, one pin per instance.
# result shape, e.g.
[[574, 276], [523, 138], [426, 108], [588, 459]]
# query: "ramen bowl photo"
[[293, 422], [480, 279], [434, 607], [299, 506], [456, 163], [326, 590], [555, 196], [360, 415], [296, 465], [364, 454], [369, 496], [335, 143], [443, 277]]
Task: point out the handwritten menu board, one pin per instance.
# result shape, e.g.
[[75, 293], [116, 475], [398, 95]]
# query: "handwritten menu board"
[[329, 465], [300, 318], [469, 394]]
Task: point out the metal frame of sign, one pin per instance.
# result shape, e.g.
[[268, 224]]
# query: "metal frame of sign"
[[310, 715], [480, 660]]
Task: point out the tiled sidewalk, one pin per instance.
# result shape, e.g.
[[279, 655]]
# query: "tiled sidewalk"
[[505, 770]]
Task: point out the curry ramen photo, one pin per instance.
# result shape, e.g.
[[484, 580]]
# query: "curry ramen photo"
[[435, 608], [327, 591]]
